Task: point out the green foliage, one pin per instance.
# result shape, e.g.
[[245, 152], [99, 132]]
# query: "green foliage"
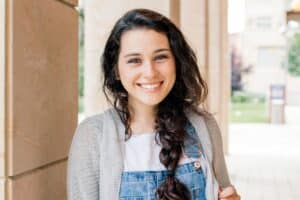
[[245, 97], [81, 61], [81, 54], [294, 56]]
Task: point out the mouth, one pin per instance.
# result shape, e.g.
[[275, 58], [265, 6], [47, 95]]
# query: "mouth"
[[151, 87]]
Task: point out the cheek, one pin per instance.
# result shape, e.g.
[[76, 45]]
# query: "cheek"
[[171, 70], [122, 72], [127, 77]]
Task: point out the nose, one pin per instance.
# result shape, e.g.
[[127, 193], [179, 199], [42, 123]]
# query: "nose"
[[149, 69]]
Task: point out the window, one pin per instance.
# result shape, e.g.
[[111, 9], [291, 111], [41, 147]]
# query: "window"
[[263, 22]]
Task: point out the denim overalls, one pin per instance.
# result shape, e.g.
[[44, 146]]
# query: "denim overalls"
[[141, 185]]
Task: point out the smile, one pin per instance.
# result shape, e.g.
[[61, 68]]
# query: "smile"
[[150, 86]]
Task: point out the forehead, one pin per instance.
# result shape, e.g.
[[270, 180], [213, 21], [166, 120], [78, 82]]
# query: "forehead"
[[143, 40]]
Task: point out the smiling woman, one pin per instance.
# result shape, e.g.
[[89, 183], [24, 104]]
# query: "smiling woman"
[[155, 143]]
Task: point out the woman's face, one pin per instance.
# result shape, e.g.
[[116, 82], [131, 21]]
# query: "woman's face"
[[146, 67]]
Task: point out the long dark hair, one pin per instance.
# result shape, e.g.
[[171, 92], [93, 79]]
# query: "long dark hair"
[[188, 92]]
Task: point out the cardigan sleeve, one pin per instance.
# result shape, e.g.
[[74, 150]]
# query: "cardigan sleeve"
[[219, 164], [83, 163]]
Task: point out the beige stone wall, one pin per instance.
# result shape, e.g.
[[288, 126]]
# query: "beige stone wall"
[[42, 183], [2, 95], [193, 26], [41, 97]]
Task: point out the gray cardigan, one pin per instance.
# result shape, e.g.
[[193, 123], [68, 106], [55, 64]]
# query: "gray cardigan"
[[95, 161]]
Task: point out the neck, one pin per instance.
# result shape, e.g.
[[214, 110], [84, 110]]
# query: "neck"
[[142, 118], [142, 114]]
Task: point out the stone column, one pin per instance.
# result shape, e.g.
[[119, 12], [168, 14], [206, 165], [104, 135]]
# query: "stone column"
[[204, 23], [2, 96], [217, 66], [38, 87]]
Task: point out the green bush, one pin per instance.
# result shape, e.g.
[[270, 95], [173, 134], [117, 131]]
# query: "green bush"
[[81, 55], [294, 56], [81, 61], [245, 97]]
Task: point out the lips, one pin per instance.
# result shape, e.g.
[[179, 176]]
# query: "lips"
[[150, 86]]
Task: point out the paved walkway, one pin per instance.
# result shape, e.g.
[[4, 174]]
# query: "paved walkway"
[[264, 161]]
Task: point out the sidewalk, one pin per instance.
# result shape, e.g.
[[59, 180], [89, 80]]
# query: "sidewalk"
[[264, 160]]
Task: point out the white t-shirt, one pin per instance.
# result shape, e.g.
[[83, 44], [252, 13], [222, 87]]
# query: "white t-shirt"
[[142, 154]]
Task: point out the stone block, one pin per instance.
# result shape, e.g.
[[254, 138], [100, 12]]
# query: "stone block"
[[41, 83], [47, 183]]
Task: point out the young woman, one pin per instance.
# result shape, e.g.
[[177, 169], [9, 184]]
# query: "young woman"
[[155, 142]]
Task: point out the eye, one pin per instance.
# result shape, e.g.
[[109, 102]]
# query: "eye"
[[134, 60], [161, 57]]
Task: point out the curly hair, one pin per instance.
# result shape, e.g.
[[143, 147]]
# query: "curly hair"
[[189, 91]]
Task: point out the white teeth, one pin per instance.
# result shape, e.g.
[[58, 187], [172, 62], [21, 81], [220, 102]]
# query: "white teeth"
[[150, 86]]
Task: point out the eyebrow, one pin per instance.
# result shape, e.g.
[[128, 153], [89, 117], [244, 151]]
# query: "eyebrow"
[[137, 54]]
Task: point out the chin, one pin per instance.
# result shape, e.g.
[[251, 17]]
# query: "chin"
[[151, 102]]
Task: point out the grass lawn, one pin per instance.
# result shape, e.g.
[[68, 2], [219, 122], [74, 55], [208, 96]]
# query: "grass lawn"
[[248, 113]]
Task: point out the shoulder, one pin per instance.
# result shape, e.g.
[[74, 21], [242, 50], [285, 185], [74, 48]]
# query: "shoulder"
[[91, 127], [207, 119], [96, 121], [201, 114], [211, 121], [207, 116]]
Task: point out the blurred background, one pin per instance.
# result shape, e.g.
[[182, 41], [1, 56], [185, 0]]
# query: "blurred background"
[[264, 129], [50, 80]]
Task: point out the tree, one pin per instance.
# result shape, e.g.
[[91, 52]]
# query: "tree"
[[81, 53], [294, 56], [237, 70]]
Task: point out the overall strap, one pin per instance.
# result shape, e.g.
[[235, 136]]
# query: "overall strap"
[[206, 159], [212, 145]]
